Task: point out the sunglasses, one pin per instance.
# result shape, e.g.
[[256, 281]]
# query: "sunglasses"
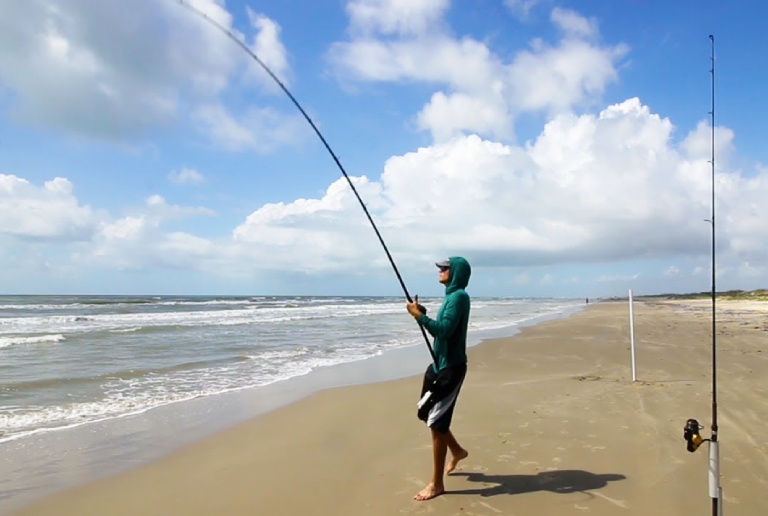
[[442, 269]]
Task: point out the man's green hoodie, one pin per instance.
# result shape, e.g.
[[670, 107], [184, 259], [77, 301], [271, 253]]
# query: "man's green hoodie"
[[450, 327]]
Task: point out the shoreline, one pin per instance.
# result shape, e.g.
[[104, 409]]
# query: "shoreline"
[[52, 461]]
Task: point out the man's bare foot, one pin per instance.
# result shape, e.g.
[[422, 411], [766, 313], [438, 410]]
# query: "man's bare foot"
[[428, 493], [455, 460]]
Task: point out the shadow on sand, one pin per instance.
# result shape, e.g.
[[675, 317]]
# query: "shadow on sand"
[[558, 481]]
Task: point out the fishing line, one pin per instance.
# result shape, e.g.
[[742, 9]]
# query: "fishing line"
[[250, 52]]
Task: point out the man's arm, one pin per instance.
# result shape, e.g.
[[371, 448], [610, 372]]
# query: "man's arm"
[[445, 325]]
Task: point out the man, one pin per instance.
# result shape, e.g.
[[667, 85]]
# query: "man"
[[443, 378]]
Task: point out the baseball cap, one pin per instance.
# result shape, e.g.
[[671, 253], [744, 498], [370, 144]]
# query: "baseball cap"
[[444, 263]]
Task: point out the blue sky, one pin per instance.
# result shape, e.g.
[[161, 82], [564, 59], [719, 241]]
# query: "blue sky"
[[560, 146]]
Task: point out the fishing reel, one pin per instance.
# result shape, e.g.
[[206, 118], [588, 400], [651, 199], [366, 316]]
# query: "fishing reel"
[[692, 436]]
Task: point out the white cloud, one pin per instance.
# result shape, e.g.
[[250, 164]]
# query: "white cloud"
[[139, 240], [613, 279], [447, 116], [698, 143], [155, 206], [183, 250], [573, 24], [746, 270], [555, 78], [122, 68], [605, 187], [479, 91], [50, 212], [521, 8], [394, 16], [223, 129], [268, 46], [186, 176], [671, 271], [332, 227], [109, 82], [127, 228], [126, 243], [259, 129], [591, 188], [465, 64], [35, 218], [521, 279]]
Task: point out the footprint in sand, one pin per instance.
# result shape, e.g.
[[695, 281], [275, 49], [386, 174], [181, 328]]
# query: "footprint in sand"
[[588, 377], [419, 509], [415, 481], [488, 506], [592, 448]]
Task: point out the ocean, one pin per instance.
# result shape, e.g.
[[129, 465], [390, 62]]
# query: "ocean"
[[68, 361]]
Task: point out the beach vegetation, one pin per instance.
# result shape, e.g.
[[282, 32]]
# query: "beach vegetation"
[[728, 295]]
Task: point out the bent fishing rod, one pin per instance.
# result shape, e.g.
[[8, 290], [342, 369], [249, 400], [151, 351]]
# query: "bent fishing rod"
[[253, 55], [691, 430]]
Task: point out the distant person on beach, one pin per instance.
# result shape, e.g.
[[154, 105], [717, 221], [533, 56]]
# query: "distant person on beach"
[[443, 379]]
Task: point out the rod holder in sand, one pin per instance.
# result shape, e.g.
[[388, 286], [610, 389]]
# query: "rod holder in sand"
[[632, 337], [715, 491]]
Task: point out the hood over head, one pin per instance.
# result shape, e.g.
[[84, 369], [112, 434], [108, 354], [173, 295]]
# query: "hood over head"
[[459, 275]]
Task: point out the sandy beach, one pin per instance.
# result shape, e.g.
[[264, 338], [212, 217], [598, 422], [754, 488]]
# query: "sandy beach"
[[553, 423]]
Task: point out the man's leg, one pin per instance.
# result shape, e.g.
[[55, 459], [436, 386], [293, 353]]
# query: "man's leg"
[[439, 451], [457, 452]]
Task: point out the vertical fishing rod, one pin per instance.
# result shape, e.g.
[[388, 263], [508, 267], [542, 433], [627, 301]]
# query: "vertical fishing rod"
[[714, 456], [692, 427], [325, 143]]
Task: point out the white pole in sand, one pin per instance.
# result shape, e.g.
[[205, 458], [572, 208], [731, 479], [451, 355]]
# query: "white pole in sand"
[[715, 491], [632, 336]]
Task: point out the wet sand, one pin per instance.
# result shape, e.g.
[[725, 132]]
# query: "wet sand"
[[551, 418]]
